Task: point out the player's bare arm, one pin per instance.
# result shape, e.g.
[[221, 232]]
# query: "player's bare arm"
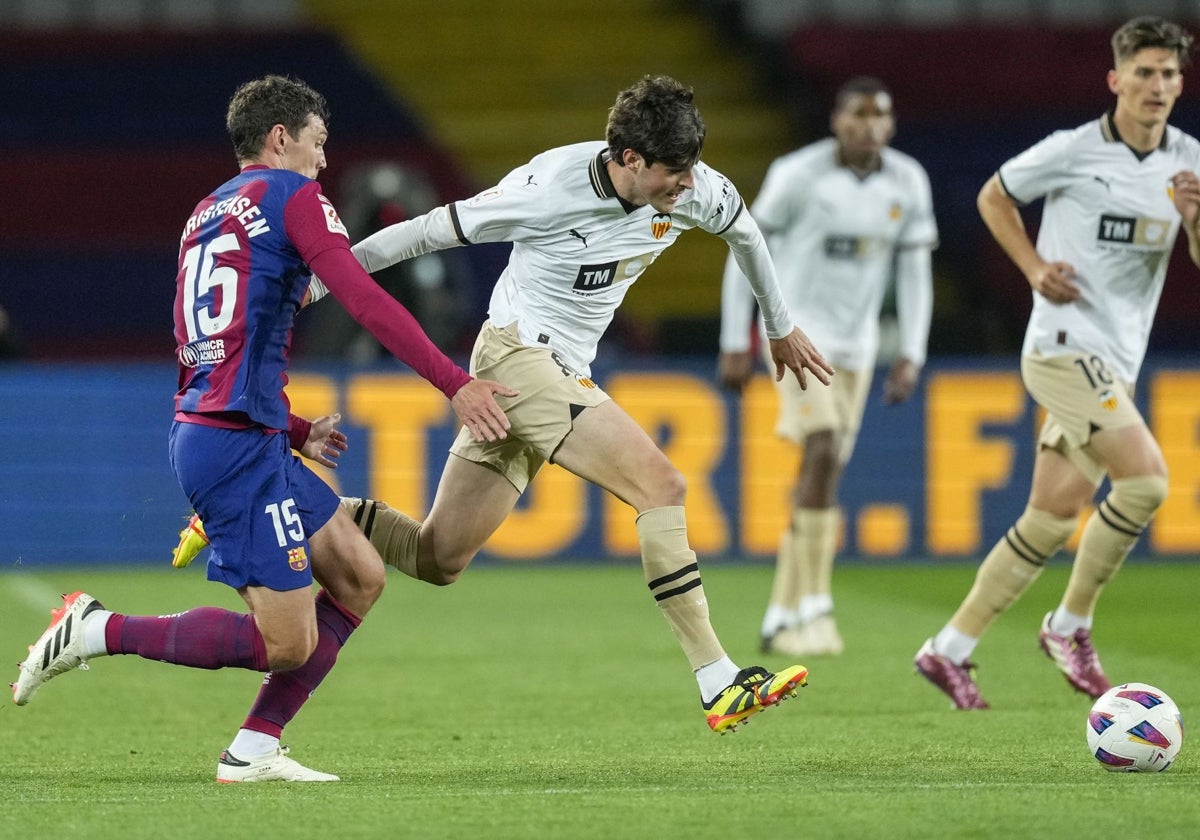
[[1185, 192], [798, 354], [901, 381], [1053, 280], [734, 369], [795, 351]]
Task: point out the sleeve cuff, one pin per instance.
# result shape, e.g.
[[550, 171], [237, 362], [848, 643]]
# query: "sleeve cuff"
[[297, 430]]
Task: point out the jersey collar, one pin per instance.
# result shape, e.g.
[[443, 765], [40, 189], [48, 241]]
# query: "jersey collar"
[[860, 174], [602, 183], [1108, 129]]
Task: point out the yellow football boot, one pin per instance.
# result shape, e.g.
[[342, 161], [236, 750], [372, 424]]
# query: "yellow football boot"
[[191, 540]]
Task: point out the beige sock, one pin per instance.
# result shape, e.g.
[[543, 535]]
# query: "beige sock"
[[673, 576], [394, 535], [1010, 568], [1108, 535], [817, 536], [785, 588]]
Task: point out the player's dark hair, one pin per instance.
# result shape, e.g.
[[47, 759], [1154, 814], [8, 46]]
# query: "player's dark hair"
[[1151, 32], [262, 103], [656, 118], [858, 86]]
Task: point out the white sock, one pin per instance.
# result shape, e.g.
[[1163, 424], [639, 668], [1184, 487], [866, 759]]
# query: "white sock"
[[249, 744], [954, 644], [776, 619], [715, 676], [813, 606], [93, 633], [1065, 623]]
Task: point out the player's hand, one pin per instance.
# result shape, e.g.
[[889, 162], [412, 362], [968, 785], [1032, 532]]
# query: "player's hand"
[[901, 381], [477, 409], [797, 354], [734, 370], [1055, 282], [325, 443], [1185, 192]]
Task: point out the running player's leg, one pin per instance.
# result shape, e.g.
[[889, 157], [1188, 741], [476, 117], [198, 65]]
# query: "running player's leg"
[[1137, 474], [482, 481], [811, 541], [1091, 427], [817, 504], [824, 420], [816, 522], [1059, 491], [609, 449], [256, 516], [352, 577], [1100, 429], [784, 598], [787, 586], [286, 531], [472, 501]]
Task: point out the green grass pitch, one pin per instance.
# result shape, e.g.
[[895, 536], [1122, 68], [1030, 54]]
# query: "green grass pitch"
[[552, 701]]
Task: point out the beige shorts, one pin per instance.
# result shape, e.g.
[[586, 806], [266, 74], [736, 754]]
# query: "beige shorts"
[[551, 395], [1080, 397], [836, 407]]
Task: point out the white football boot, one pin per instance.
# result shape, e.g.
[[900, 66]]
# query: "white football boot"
[[274, 766], [60, 648]]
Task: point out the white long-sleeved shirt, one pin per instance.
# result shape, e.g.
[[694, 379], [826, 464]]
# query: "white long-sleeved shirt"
[[838, 239], [578, 247]]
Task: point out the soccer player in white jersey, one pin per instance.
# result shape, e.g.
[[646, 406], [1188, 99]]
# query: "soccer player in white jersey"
[[1116, 191], [585, 221], [838, 215]]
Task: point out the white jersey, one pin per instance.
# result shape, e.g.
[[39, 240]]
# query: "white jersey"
[[1110, 216], [577, 246], [835, 238]]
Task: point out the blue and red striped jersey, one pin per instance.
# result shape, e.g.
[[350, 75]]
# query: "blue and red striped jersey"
[[243, 271]]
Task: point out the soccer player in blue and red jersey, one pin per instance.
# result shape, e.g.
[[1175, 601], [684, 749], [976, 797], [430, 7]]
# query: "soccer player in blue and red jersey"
[[246, 257]]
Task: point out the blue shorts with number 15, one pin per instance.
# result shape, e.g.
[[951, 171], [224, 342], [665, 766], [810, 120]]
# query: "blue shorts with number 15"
[[258, 503]]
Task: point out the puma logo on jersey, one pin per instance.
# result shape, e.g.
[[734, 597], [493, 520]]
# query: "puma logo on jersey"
[[578, 236], [1103, 181], [1133, 230]]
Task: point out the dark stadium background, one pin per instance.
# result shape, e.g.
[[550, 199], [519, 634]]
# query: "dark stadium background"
[[111, 128]]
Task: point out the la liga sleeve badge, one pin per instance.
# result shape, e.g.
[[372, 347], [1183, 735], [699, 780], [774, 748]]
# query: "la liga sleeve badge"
[[332, 220]]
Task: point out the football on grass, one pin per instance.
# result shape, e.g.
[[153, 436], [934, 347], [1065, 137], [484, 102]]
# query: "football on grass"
[[1135, 727]]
